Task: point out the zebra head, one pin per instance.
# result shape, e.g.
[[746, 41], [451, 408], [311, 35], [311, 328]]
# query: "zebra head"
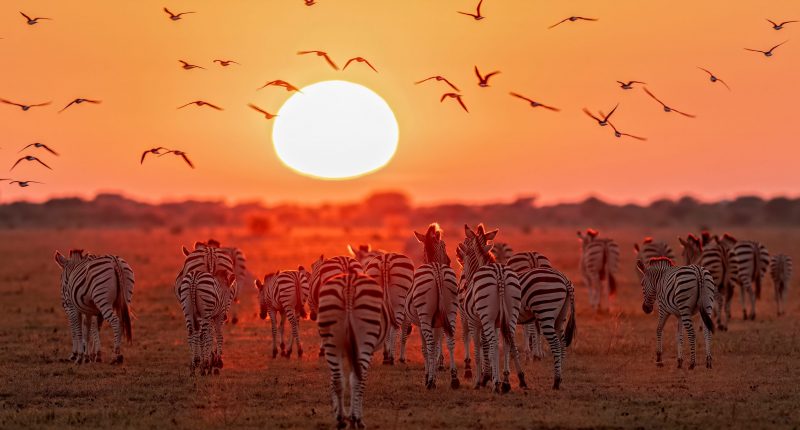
[[363, 253], [315, 282], [586, 238], [651, 277], [434, 249], [263, 294], [692, 248], [475, 250], [502, 252]]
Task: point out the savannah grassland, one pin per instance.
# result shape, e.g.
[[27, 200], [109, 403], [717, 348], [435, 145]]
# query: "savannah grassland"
[[610, 378]]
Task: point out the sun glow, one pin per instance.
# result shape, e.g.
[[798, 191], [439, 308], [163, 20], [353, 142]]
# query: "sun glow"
[[335, 130]]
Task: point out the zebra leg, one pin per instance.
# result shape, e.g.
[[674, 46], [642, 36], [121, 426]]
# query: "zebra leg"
[[662, 319], [494, 353], [357, 384], [752, 293], [205, 347], [465, 328], [439, 354], [293, 327], [337, 390], [451, 347], [556, 348], [388, 346], [428, 350], [95, 350], [688, 324], [505, 385], [405, 330], [282, 332], [477, 347], [744, 287], [679, 339], [536, 334], [518, 366], [217, 363], [116, 327], [86, 331], [707, 337], [190, 339], [75, 329], [272, 319]]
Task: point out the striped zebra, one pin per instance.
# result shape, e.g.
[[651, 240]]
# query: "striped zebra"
[[713, 254], [548, 303], [95, 288], [521, 262], [681, 291], [750, 261], [205, 303], [490, 299], [363, 253], [285, 293], [781, 272], [209, 259], [243, 275], [692, 249], [651, 249], [394, 273], [352, 323], [321, 271], [432, 304], [599, 259], [502, 252]]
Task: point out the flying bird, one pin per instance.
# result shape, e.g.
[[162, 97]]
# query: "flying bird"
[[457, 97], [310, 2], [438, 78], [29, 158], [604, 120], [322, 54], [534, 103], [226, 63], [618, 133], [155, 151], [32, 21], [280, 83], [777, 26], [766, 53], [22, 106], [176, 17], [180, 154], [572, 19], [666, 108], [201, 103], [713, 78], [39, 145], [23, 184], [360, 60], [79, 101], [188, 66], [483, 81], [629, 85], [258, 109], [477, 15]]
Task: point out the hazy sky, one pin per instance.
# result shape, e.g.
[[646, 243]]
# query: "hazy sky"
[[126, 53]]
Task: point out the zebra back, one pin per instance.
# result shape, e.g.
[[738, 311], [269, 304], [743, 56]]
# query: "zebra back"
[[751, 261], [289, 289], [781, 271], [202, 297], [434, 297], [322, 270], [212, 260], [502, 252], [394, 273], [524, 261]]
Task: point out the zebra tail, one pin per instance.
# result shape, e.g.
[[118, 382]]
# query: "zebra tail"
[[193, 314], [508, 335], [757, 270], [121, 304], [702, 297], [449, 330], [299, 308], [571, 331], [603, 265], [612, 284]]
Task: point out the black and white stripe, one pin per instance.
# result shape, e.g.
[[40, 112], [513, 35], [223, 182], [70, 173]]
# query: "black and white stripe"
[[284, 293], [681, 291], [502, 252], [394, 273], [205, 258], [93, 289], [321, 271], [750, 260], [716, 258], [352, 323], [521, 262], [781, 272], [599, 260], [652, 249]]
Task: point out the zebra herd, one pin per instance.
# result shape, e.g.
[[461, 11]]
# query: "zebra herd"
[[368, 299]]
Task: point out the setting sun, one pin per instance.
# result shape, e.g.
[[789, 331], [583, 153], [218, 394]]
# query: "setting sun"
[[335, 130]]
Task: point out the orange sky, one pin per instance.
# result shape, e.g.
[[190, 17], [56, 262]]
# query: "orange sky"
[[126, 53]]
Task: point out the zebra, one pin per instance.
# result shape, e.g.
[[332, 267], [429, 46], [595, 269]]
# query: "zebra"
[[599, 259], [548, 302], [781, 273], [321, 271], [432, 305], [681, 291], [394, 273], [285, 293], [750, 260], [713, 254], [205, 303], [95, 288], [490, 299], [243, 276], [521, 262], [363, 253], [206, 258], [502, 252], [692, 249], [352, 323], [650, 249]]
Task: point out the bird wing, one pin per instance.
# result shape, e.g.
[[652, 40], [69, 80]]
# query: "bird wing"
[[520, 96], [97, 102], [256, 108], [724, 83], [467, 14], [144, 154], [424, 80], [478, 74], [65, 107], [774, 24], [705, 70], [755, 50], [478, 8], [8, 102], [26, 147], [348, 63], [42, 163], [15, 164], [446, 95], [451, 84], [26, 16], [187, 104], [211, 105], [787, 22], [331, 63], [586, 19], [610, 113], [552, 108], [586, 111], [558, 23], [490, 75], [184, 13], [653, 96], [621, 83], [770, 49], [50, 150], [41, 104], [186, 159], [635, 137], [461, 102], [370, 65], [682, 113], [638, 82]]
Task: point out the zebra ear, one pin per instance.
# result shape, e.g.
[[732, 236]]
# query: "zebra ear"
[[259, 285], [636, 248], [640, 266], [420, 237], [199, 245], [491, 235], [185, 251], [351, 250], [682, 241], [60, 259], [468, 231], [580, 234]]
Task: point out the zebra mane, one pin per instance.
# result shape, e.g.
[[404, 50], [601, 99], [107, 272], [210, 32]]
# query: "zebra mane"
[[648, 239], [592, 232], [661, 259], [76, 253], [213, 243]]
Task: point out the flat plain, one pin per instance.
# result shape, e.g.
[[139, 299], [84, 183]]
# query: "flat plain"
[[610, 377]]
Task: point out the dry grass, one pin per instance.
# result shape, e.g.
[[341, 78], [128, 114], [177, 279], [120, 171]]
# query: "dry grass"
[[610, 379]]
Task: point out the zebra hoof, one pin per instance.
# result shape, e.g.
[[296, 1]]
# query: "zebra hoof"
[[485, 380], [454, 383], [274, 353], [402, 360], [288, 354], [299, 353], [220, 364], [216, 370], [680, 363], [467, 374], [430, 384], [321, 352], [753, 316], [522, 383], [708, 362], [117, 360], [691, 365], [557, 383], [505, 387], [98, 358], [659, 364], [340, 423], [357, 423], [235, 319]]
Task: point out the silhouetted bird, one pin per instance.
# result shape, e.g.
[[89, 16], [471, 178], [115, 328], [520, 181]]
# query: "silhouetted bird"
[[359, 60], [604, 120], [457, 97], [201, 103], [766, 53], [267, 115], [477, 15], [280, 83], [322, 54], [777, 26], [571, 19], [180, 154], [310, 2], [32, 21], [483, 81], [438, 78], [155, 151], [226, 63], [29, 158], [618, 133], [629, 85], [176, 17], [22, 106], [714, 78], [533, 103], [23, 184], [188, 66], [79, 101], [39, 145], [666, 108]]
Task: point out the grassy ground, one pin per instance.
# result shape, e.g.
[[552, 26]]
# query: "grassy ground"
[[610, 378]]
